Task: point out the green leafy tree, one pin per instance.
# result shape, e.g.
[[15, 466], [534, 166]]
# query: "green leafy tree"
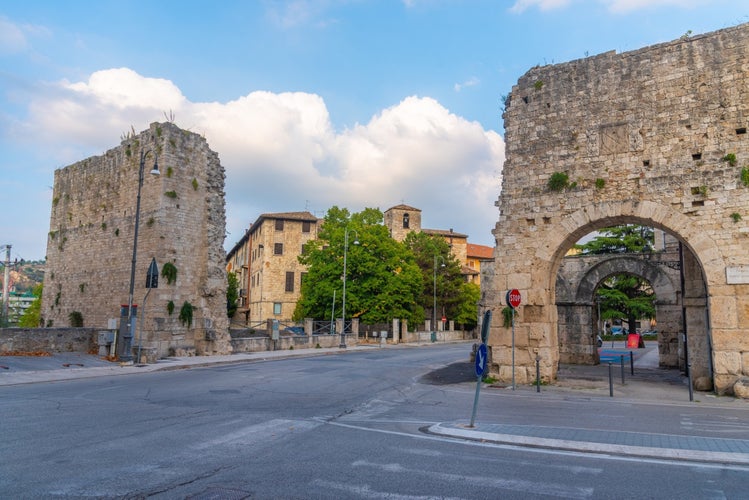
[[623, 295], [382, 279], [628, 238], [232, 294], [31, 318], [442, 278]]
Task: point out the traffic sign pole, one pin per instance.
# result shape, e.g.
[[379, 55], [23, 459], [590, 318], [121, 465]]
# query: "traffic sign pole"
[[513, 300], [482, 361]]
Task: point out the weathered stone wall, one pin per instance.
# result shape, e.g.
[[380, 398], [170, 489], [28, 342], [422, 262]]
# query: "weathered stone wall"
[[48, 340], [645, 137], [182, 221]]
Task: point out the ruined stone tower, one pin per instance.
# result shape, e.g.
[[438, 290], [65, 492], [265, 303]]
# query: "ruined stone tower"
[[182, 224]]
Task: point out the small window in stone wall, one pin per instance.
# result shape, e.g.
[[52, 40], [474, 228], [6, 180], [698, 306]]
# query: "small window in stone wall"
[[289, 281], [278, 249], [279, 224], [305, 226], [406, 221], [276, 308]]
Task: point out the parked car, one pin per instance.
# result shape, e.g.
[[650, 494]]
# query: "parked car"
[[617, 330]]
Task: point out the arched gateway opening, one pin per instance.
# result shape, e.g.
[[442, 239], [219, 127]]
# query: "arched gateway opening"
[[580, 322], [655, 137]]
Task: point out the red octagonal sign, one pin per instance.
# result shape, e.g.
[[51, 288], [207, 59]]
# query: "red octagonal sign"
[[513, 298]]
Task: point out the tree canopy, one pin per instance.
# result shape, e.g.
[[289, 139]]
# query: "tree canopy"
[[628, 238], [31, 317], [232, 294], [443, 280], [382, 278]]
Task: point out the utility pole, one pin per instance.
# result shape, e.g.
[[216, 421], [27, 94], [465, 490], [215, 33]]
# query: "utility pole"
[[6, 283]]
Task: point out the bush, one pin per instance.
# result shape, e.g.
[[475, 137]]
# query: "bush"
[[558, 181]]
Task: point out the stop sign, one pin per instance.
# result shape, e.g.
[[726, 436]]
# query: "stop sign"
[[513, 298]]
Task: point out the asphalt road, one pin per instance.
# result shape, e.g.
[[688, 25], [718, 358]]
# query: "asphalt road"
[[339, 426]]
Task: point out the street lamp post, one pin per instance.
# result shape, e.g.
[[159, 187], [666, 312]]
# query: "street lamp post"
[[345, 255], [434, 294], [126, 355]]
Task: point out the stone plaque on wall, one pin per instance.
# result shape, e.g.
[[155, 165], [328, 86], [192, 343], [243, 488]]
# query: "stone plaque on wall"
[[738, 275], [614, 139]]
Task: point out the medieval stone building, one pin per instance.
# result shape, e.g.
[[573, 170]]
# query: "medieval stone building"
[[656, 137], [182, 227]]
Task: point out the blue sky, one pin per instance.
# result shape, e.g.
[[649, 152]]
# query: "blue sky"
[[309, 104]]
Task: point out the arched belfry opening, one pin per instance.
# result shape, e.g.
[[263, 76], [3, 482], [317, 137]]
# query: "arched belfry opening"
[[628, 139]]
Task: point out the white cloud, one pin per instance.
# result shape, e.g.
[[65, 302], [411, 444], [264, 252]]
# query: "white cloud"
[[281, 152], [471, 82], [522, 5], [624, 6], [614, 6], [12, 38]]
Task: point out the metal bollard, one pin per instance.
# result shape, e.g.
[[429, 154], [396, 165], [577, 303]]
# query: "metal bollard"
[[632, 362], [538, 373], [622, 363], [611, 382]]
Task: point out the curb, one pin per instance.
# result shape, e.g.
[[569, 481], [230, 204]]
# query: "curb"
[[462, 431]]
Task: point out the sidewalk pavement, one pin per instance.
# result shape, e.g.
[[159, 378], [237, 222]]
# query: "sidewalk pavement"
[[15, 370], [586, 382]]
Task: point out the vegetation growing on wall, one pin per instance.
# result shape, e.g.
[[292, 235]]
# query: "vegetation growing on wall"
[[745, 176], [185, 314], [507, 316], [76, 319], [169, 272], [559, 181], [170, 307], [730, 158]]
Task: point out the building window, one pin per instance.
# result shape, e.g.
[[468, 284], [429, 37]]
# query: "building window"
[[289, 281], [305, 226], [405, 221], [276, 308], [278, 249], [279, 224]]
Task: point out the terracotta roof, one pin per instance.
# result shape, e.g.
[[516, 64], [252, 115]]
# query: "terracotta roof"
[[443, 232], [290, 216], [403, 207], [301, 216], [481, 252]]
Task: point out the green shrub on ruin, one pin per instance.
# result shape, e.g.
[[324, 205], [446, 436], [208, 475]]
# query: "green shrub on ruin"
[[558, 181], [185, 314]]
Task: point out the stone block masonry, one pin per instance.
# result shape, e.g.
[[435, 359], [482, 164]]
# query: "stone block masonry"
[[182, 222], [656, 136]]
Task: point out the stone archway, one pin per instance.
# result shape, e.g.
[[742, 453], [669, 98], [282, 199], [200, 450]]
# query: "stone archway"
[[656, 137], [576, 282]]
